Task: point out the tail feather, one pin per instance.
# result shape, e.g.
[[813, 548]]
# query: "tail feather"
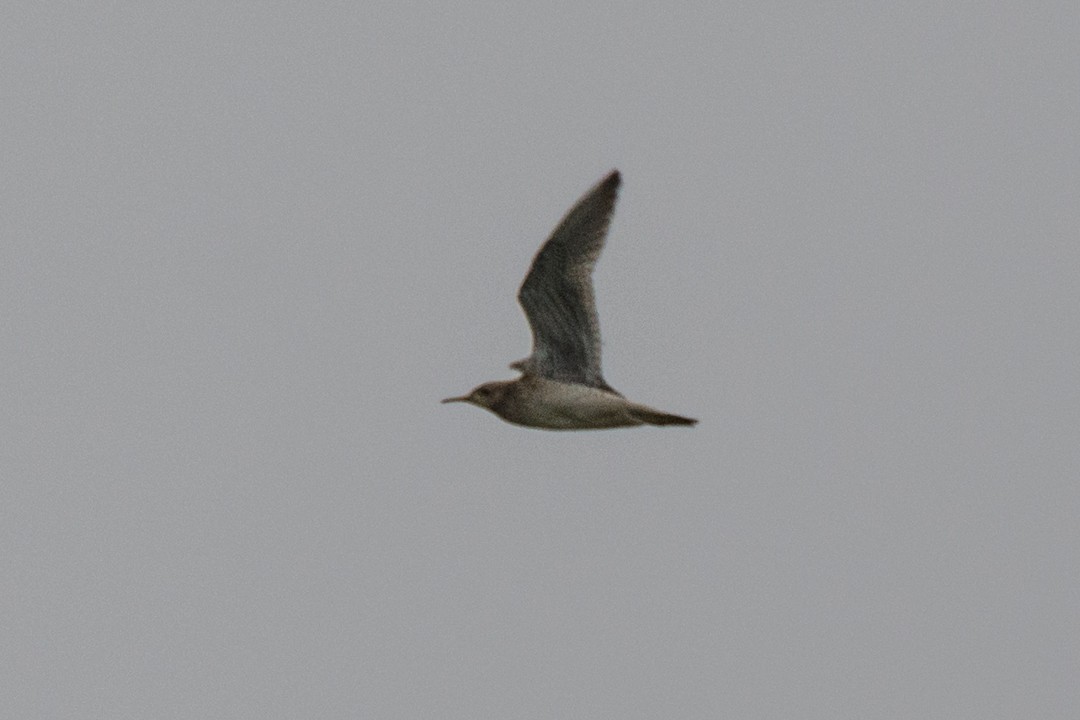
[[655, 417]]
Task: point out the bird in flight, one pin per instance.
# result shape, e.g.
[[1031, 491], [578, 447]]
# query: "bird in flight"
[[561, 386]]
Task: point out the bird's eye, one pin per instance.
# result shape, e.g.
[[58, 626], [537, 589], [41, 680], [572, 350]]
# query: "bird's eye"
[[483, 392]]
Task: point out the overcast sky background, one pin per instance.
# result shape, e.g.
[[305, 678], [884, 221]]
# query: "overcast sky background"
[[245, 248]]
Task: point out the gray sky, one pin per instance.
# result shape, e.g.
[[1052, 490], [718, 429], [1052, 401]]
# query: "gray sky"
[[247, 247]]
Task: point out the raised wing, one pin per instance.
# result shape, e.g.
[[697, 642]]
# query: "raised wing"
[[557, 294]]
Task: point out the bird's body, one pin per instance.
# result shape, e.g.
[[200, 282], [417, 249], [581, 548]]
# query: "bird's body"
[[534, 401], [562, 386]]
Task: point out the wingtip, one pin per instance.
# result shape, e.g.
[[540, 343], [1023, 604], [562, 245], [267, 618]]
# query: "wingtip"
[[613, 178]]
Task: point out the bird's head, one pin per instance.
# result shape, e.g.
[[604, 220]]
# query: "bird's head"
[[485, 396]]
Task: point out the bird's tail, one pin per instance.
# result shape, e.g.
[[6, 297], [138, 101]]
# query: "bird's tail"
[[655, 417]]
